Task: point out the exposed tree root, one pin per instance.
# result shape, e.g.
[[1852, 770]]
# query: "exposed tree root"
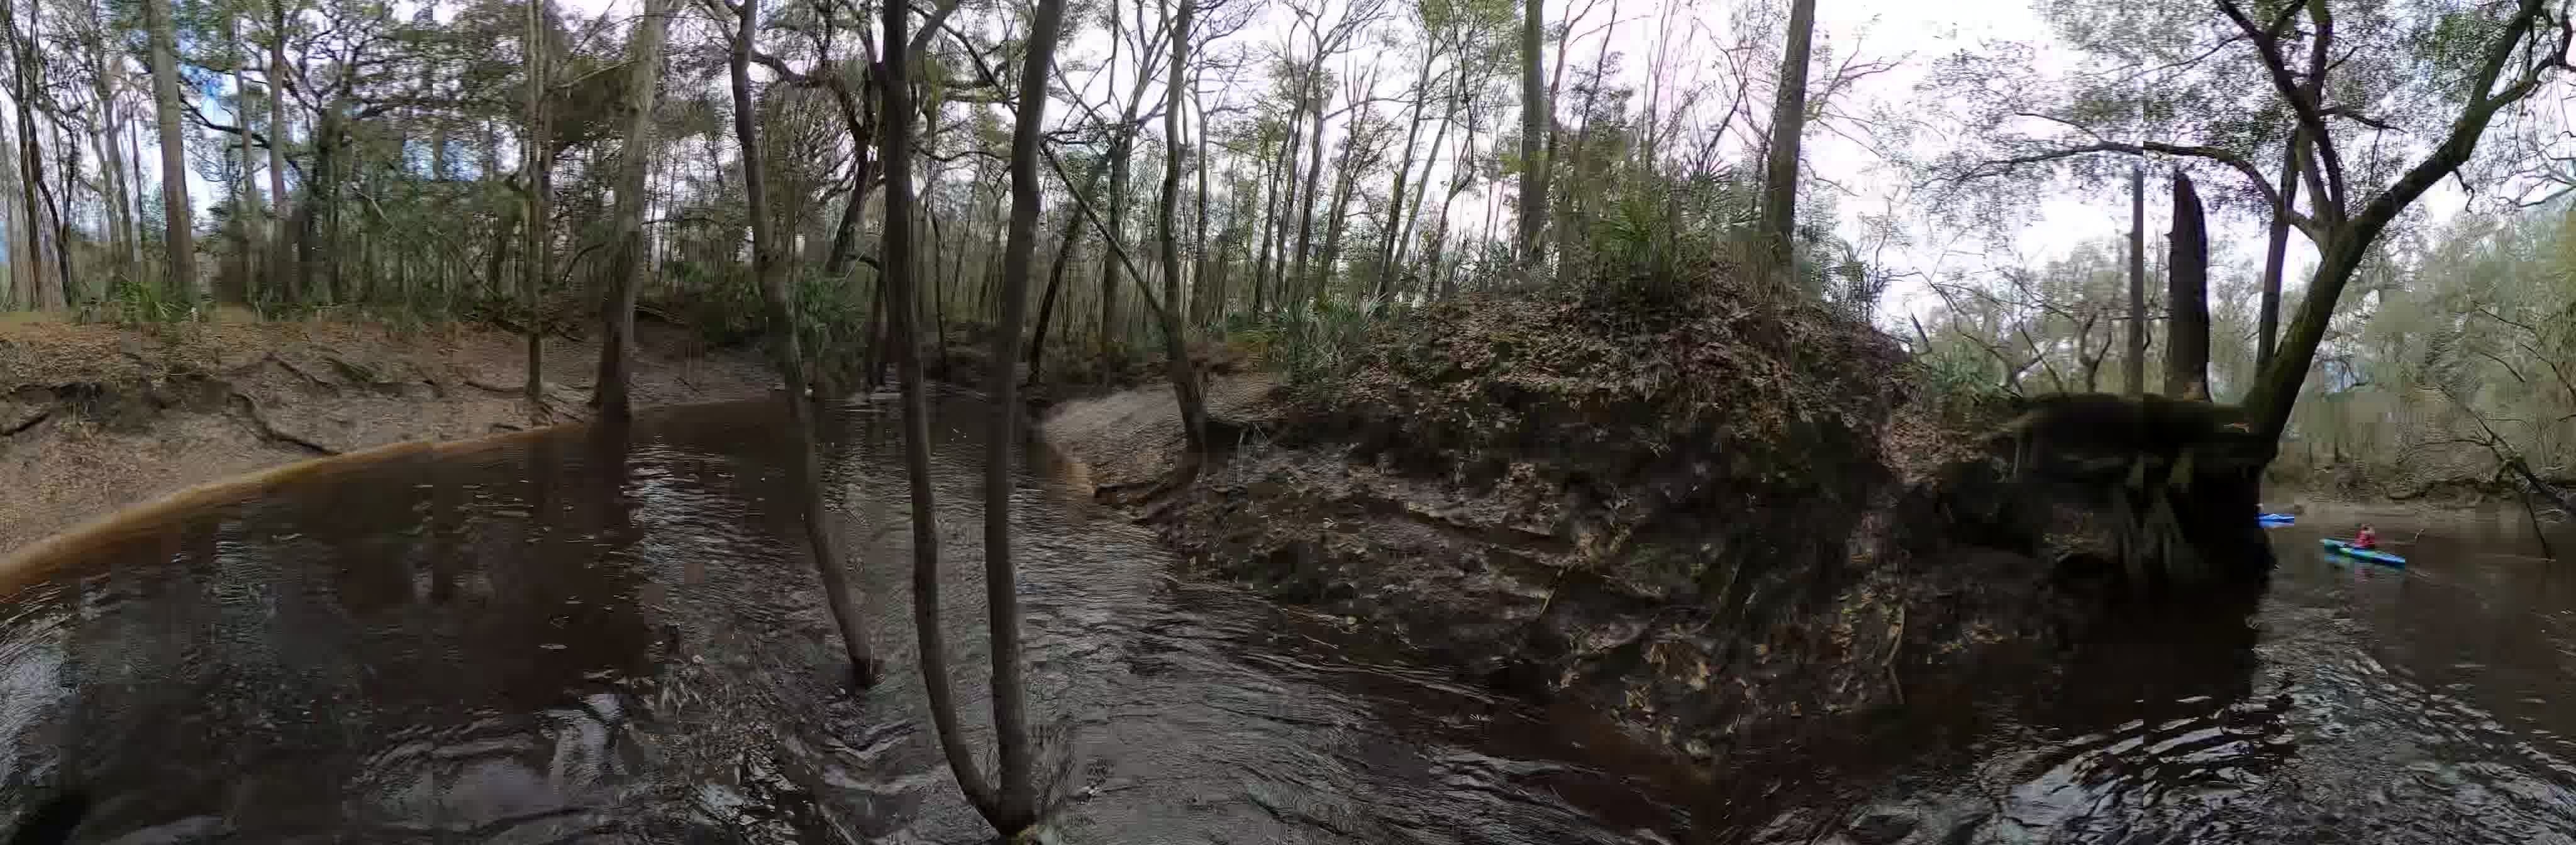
[[250, 410]]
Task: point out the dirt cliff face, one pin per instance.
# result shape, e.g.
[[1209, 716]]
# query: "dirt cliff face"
[[1722, 523]]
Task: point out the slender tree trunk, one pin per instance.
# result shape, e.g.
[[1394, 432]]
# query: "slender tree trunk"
[[246, 208], [1334, 222], [1185, 379], [540, 217], [1119, 150], [2134, 379], [282, 265], [1202, 303], [1403, 173], [1271, 177], [1403, 246], [1017, 807], [2267, 323], [1534, 123], [31, 160], [1297, 290], [790, 360], [904, 303], [1055, 283], [625, 276], [180, 233], [1788, 123]]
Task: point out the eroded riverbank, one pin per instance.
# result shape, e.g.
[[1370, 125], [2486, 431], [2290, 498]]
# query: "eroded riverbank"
[[94, 418]]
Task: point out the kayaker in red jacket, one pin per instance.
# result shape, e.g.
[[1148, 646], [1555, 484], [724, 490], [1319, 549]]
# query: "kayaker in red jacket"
[[2367, 539]]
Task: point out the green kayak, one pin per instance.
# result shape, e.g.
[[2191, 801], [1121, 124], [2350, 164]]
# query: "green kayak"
[[2373, 555]]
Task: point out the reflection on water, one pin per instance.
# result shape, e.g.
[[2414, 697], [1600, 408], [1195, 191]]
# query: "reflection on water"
[[2350, 703], [573, 638]]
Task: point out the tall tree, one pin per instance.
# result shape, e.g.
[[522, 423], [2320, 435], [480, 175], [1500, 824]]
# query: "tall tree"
[[1788, 124], [625, 276], [43, 291], [178, 233], [1185, 380], [284, 275], [1534, 126], [538, 170], [789, 356]]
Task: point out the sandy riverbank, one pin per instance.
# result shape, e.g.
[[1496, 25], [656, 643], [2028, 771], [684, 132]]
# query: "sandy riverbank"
[[96, 418]]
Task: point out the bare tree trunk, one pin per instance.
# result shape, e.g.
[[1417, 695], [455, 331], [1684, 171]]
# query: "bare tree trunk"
[[1403, 245], [790, 360], [246, 209], [1271, 178], [2267, 323], [2187, 297], [540, 185], [1534, 123], [282, 269], [31, 161], [1788, 123], [1334, 223], [1201, 304], [903, 302], [1295, 291], [2134, 379], [1017, 807], [1403, 172], [181, 233], [1185, 379], [1119, 150], [625, 276]]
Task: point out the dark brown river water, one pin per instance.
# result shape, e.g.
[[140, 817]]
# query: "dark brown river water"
[[580, 638]]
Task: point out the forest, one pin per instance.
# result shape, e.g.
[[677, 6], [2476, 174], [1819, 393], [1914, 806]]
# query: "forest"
[[2345, 245]]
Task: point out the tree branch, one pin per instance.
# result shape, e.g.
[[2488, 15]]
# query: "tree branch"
[[2307, 225]]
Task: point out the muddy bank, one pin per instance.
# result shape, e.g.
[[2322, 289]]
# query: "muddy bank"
[[1729, 528], [94, 418]]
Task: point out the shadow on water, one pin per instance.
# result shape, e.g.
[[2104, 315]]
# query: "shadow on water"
[[2350, 702], [585, 636]]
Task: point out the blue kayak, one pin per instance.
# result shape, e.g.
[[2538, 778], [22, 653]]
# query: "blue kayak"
[[2278, 518], [2373, 555]]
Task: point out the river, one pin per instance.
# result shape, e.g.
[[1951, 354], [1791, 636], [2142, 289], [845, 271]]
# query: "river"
[[570, 637]]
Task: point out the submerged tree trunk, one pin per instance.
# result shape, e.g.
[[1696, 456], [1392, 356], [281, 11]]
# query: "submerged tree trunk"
[[625, 275], [1016, 807], [790, 360], [179, 233], [2187, 297]]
